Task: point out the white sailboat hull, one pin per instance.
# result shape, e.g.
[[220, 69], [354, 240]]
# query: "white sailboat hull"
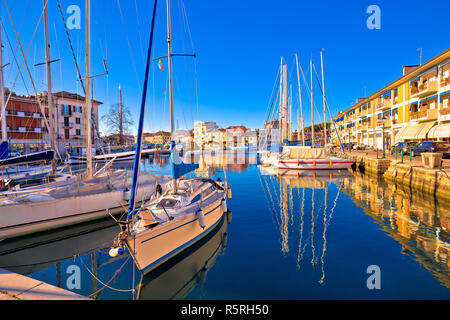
[[118, 156], [26, 217], [153, 247], [315, 164]]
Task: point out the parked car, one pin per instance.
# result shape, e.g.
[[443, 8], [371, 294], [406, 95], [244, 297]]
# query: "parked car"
[[431, 146], [405, 146], [359, 147]]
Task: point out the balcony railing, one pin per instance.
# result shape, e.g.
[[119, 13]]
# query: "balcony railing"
[[424, 89], [26, 129], [430, 114], [384, 103], [387, 123], [23, 114], [445, 82]]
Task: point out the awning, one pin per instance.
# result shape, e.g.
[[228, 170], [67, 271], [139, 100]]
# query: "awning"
[[399, 135], [440, 131], [428, 98], [416, 131], [425, 129]]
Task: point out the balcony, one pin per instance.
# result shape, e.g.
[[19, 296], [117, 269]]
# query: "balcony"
[[424, 89], [384, 104], [23, 114], [445, 82], [430, 114], [387, 123], [26, 129]]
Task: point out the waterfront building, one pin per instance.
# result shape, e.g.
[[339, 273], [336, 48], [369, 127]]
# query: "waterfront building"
[[26, 127], [70, 119], [157, 138], [201, 132], [414, 107], [236, 136]]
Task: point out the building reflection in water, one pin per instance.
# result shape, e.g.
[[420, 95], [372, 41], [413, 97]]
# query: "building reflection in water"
[[421, 224], [284, 188], [175, 279]]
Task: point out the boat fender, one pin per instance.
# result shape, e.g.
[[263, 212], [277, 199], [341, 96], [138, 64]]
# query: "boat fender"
[[126, 194], [114, 252], [229, 192], [201, 218], [224, 205]]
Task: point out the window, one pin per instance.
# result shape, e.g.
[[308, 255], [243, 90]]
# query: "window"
[[66, 121], [77, 120], [167, 203], [66, 110], [67, 133], [78, 132]]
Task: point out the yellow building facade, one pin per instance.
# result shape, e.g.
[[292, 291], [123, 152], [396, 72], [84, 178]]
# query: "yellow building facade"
[[414, 107]]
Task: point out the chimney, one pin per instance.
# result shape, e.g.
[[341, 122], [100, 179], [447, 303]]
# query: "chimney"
[[409, 69]]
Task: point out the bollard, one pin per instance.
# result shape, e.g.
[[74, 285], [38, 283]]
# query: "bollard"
[[395, 153], [401, 152]]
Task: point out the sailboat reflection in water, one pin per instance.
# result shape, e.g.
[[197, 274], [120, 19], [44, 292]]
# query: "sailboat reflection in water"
[[181, 212], [289, 211]]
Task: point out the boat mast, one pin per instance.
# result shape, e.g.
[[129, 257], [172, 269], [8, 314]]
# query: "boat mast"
[[285, 116], [2, 91], [169, 45], [120, 117], [49, 87], [281, 101], [169, 57], [301, 104], [324, 106], [88, 91], [140, 129], [312, 107], [290, 113]]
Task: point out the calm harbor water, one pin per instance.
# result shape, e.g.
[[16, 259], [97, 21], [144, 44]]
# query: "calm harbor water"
[[289, 236]]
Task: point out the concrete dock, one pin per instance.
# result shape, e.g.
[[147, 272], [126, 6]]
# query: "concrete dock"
[[14, 286], [410, 174]]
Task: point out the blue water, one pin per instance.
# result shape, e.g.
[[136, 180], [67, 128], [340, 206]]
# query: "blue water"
[[310, 237]]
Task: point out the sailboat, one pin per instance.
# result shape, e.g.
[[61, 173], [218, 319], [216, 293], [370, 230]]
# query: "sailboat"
[[29, 170], [185, 211], [81, 199], [303, 157]]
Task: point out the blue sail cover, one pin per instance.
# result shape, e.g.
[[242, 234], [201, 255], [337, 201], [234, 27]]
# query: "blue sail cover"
[[179, 168], [4, 150]]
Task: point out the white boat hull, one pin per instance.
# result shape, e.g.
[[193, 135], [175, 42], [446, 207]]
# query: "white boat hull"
[[21, 218], [153, 247], [315, 164], [118, 156]]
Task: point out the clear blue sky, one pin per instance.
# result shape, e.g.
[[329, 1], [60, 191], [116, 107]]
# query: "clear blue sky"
[[238, 44]]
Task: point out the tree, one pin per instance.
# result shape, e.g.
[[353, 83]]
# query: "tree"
[[118, 121]]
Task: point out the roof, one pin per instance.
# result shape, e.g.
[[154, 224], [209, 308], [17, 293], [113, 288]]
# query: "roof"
[[71, 96]]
